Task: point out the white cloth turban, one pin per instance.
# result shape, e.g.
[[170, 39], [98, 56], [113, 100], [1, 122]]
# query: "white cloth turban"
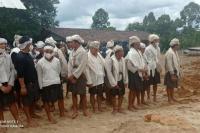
[[3, 41], [153, 37], [49, 47], [174, 41], [50, 41], [94, 44], [40, 44], [68, 39], [16, 40], [77, 38], [142, 45], [133, 40], [110, 44], [23, 45], [117, 48]]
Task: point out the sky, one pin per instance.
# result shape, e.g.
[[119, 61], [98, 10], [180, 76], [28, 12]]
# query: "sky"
[[78, 13]]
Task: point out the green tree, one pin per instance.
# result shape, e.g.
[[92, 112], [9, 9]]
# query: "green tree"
[[135, 27], [164, 25], [178, 23], [149, 22], [100, 20], [191, 14]]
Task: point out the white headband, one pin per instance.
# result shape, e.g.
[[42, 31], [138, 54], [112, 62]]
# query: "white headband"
[[3, 40], [49, 47], [23, 45], [40, 44], [50, 41]]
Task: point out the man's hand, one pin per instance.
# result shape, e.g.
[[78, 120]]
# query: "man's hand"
[[142, 70], [9, 88], [72, 79], [174, 77], [6, 89], [23, 91], [126, 85], [89, 85], [116, 87]]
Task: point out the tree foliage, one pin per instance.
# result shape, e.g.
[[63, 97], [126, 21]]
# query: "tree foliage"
[[100, 20], [40, 14], [166, 28], [191, 14]]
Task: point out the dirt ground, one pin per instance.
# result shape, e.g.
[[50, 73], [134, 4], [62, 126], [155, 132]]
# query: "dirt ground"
[[158, 117]]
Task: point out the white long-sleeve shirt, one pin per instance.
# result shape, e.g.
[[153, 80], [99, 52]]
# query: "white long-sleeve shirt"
[[152, 53], [116, 70], [63, 62], [96, 65], [77, 62], [7, 70], [172, 62], [48, 72]]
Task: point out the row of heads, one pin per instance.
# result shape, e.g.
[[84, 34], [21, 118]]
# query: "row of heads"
[[22, 41]]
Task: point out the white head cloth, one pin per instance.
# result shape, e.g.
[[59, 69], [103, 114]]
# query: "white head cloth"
[[16, 40], [50, 41], [3, 40], [133, 40], [94, 44], [23, 45], [48, 47], [77, 38], [153, 37], [142, 45], [117, 48], [110, 44], [173, 42], [40, 44], [68, 39]]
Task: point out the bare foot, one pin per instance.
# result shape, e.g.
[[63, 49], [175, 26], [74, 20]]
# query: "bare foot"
[[134, 107], [94, 110], [53, 121], [20, 124], [36, 116], [86, 114], [65, 110], [174, 100], [169, 101], [100, 110], [121, 111], [52, 108], [114, 112], [74, 115], [131, 109], [32, 124]]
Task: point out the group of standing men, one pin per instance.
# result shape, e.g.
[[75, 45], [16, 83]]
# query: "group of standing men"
[[26, 79]]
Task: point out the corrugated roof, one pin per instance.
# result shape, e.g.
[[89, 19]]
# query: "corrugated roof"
[[99, 35]]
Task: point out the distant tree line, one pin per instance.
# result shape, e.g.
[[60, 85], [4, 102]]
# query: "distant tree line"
[[186, 28]]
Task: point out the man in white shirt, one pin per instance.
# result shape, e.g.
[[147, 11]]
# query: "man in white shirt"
[[118, 77], [96, 72], [77, 74], [48, 70], [172, 69], [152, 53], [136, 70], [7, 78]]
